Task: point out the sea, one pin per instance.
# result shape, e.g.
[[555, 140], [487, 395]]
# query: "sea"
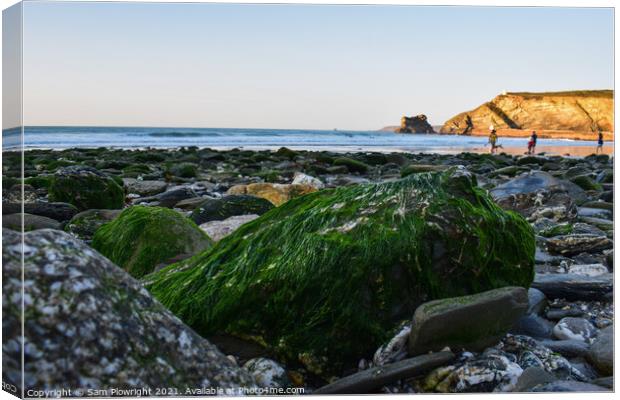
[[62, 137]]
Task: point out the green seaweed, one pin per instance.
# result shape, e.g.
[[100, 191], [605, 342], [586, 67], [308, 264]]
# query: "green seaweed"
[[142, 237], [327, 275]]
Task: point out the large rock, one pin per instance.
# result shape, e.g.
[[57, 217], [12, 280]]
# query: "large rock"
[[142, 237], [571, 328], [416, 124], [90, 325], [229, 206], [601, 353], [276, 193], [85, 188], [530, 192], [350, 262], [449, 322]]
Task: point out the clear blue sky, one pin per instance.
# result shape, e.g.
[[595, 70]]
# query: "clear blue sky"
[[292, 66]]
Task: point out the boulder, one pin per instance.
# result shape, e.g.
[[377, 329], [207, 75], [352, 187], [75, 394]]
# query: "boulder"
[[449, 322], [229, 206], [350, 262], [601, 354], [276, 193], [217, 230], [91, 325], [85, 188], [84, 225], [142, 237], [30, 222], [416, 124], [144, 187]]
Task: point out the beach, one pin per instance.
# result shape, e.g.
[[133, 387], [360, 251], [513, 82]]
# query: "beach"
[[543, 221]]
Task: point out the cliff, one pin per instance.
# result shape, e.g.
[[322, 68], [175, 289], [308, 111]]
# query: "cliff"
[[575, 114]]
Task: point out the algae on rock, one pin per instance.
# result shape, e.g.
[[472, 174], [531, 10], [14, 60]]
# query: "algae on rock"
[[142, 237], [326, 276]]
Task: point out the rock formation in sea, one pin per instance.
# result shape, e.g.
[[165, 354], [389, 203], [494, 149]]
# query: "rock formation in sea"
[[578, 111], [417, 124]]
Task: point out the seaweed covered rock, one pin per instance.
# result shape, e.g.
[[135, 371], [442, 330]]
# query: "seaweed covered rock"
[[229, 206], [142, 237], [325, 277], [85, 188], [90, 325], [84, 225]]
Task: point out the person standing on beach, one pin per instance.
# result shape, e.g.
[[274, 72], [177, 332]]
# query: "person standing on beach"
[[493, 139], [534, 140], [600, 142]]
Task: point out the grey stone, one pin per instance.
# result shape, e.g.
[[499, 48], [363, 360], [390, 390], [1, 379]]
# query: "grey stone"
[[574, 287], [567, 348], [572, 328], [217, 230], [168, 199], [367, 380], [31, 222], [536, 300], [568, 386], [144, 187], [531, 377], [601, 353], [58, 210], [267, 373], [533, 326], [568, 245], [90, 325], [449, 322], [607, 382]]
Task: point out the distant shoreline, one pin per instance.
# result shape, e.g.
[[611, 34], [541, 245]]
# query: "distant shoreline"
[[523, 133]]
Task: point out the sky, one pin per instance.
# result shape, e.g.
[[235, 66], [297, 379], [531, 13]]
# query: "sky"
[[297, 66]]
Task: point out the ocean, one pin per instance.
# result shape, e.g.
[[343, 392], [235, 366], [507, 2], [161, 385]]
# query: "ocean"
[[53, 137]]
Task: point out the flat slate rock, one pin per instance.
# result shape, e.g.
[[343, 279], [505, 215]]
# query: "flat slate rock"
[[574, 287], [56, 210], [31, 222], [567, 348], [441, 323], [373, 378]]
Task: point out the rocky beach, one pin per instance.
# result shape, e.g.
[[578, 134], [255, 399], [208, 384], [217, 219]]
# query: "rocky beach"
[[192, 270]]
